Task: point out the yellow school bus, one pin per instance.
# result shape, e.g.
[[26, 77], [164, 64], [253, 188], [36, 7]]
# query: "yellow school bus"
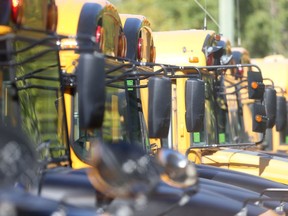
[[209, 147], [42, 74], [93, 25], [98, 19], [274, 68], [184, 47]]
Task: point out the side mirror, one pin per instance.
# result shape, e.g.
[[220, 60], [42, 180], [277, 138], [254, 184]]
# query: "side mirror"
[[195, 104], [270, 106], [281, 114], [159, 106], [178, 170], [256, 86], [259, 122], [91, 90]]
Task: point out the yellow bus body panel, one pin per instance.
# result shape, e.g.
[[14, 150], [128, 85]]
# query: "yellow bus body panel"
[[175, 48], [67, 25]]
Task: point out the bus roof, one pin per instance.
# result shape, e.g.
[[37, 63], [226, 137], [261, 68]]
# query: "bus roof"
[[177, 47]]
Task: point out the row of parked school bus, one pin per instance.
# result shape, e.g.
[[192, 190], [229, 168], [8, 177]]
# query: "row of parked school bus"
[[100, 115]]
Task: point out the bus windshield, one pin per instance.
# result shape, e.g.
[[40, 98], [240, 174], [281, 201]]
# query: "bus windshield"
[[37, 78], [122, 119]]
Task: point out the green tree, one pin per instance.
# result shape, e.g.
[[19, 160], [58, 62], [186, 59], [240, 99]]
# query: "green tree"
[[169, 14], [263, 23]]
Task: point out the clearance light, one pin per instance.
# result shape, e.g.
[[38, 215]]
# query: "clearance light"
[[139, 49], [68, 44], [17, 11], [52, 17], [254, 85], [99, 33], [193, 59], [258, 118]]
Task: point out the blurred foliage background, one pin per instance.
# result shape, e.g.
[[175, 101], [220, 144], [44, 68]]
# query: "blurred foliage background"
[[263, 23]]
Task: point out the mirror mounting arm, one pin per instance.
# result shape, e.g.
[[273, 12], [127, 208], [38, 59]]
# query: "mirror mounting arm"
[[69, 81], [261, 140]]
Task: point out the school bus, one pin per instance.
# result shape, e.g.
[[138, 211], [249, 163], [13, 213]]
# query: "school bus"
[[41, 81], [275, 134], [182, 52], [32, 100], [98, 19], [270, 66], [155, 143], [209, 147], [43, 85]]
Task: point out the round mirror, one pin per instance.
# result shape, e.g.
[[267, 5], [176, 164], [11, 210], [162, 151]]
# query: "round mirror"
[[178, 170]]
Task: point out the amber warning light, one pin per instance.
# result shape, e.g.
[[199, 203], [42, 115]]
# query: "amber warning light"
[[254, 85], [261, 118], [258, 118]]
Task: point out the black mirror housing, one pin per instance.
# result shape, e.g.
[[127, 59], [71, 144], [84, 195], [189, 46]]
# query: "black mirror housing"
[[159, 106], [195, 104], [270, 106], [256, 86], [281, 113], [259, 122], [91, 90]]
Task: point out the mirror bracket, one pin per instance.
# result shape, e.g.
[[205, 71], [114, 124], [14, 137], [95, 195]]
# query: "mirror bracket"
[[69, 81]]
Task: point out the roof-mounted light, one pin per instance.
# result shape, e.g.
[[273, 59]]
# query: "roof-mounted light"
[[17, 11], [52, 17], [99, 33], [139, 49]]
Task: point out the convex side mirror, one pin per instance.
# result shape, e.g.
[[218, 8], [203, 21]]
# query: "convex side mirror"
[[195, 104], [270, 106], [281, 114], [159, 106], [91, 90]]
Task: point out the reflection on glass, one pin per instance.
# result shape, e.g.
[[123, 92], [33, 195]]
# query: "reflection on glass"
[[41, 100], [121, 121], [208, 134]]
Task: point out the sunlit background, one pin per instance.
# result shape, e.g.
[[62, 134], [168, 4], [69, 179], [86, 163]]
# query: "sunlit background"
[[258, 25]]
